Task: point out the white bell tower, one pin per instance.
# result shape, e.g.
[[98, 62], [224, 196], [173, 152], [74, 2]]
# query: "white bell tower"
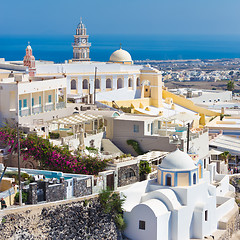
[[81, 46]]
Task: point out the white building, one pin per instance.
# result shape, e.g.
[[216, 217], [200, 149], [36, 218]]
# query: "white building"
[[22, 98], [184, 202]]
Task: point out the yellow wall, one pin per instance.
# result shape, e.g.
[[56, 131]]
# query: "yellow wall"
[[10, 199], [188, 104], [5, 184], [132, 102], [159, 176], [183, 179]]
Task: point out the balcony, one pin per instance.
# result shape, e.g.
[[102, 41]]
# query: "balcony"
[[36, 110], [60, 105], [49, 107], [24, 112]]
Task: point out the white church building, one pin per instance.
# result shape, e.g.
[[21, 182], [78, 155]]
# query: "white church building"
[[184, 202]]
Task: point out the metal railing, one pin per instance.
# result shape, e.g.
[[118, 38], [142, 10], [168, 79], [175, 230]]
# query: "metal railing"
[[60, 105], [49, 107], [24, 112], [36, 110]]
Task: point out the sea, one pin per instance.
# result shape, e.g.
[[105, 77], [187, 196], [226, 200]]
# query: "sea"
[[58, 48]]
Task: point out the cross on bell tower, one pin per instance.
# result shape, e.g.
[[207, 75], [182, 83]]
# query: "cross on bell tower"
[[81, 46]]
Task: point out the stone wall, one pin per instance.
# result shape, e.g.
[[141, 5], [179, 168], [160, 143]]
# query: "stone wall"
[[82, 187], [81, 218], [232, 227], [56, 192], [128, 174]]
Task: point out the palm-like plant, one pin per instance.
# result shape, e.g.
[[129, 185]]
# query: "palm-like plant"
[[225, 156]]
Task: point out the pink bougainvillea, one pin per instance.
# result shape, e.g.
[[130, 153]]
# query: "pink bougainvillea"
[[52, 157]]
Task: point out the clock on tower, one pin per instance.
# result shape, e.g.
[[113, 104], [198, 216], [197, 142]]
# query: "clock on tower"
[[81, 46]]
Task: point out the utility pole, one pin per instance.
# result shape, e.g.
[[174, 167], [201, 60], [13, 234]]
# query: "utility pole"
[[18, 153], [95, 85], [19, 169]]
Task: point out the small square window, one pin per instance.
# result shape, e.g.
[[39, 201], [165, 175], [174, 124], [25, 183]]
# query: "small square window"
[[142, 225], [135, 128]]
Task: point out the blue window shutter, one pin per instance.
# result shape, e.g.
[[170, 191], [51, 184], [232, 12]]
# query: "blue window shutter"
[[20, 104], [49, 98], [32, 102], [40, 100], [24, 103]]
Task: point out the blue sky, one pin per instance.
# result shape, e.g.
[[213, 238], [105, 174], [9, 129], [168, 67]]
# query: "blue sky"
[[139, 17]]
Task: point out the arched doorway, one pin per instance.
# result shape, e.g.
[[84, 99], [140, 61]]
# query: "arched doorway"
[[119, 83], [85, 84], [130, 82], [168, 180], [109, 83], [194, 178], [73, 84]]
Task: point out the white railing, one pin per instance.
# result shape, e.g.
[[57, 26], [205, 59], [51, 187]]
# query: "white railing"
[[60, 105], [24, 112], [49, 107], [36, 110]]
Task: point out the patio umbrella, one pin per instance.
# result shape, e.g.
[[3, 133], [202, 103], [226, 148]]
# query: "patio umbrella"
[[185, 117]]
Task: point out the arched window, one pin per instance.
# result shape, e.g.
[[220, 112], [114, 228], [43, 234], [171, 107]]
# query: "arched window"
[[97, 84], [169, 180], [85, 84], [130, 82], [119, 83], [109, 83], [73, 84], [129, 173], [138, 82], [194, 178]]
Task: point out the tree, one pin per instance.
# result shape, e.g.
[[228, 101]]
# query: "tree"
[[230, 85], [225, 155]]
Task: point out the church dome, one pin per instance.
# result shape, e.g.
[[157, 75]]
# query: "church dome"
[[177, 160], [120, 56]]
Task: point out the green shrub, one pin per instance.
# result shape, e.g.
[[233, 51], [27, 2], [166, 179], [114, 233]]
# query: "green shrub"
[[144, 168], [112, 204], [53, 135], [24, 197], [135, 146]]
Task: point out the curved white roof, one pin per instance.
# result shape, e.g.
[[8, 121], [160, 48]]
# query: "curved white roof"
[[157, 206], [177, 160], [120, 56]]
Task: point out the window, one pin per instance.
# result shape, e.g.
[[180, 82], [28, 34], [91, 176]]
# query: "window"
[[129, 173], [194, 178], [210, 100], [49, 98], [32, 102], [148, 127], [40, 100], [138, 82], [135, 128], [73, 84], [206, 215], [142, 225], [97, 84], [130, 84], [109, 83], [24, 103], [85, 84], [159, 124], [119, 83]]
